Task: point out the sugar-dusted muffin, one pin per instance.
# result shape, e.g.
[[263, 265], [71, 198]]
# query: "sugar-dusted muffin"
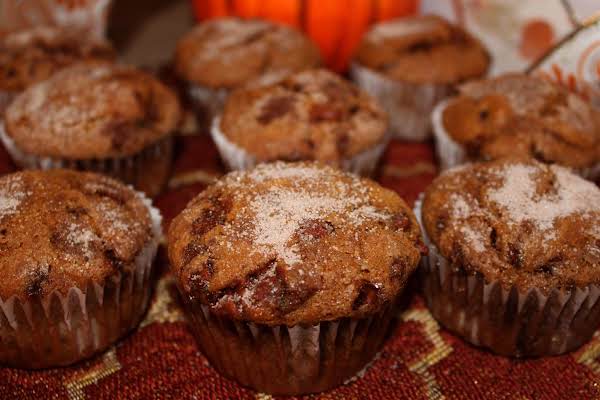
[[514, 256], [518, 115], [410, 64], [76, 252], [101, 117], [294, 268], [224, 54], [33, 55], [311, 115]]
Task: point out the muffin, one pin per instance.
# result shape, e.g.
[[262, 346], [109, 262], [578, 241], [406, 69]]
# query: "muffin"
[[518, 115], [514, 256], [290, 271], [312, 115], [31, 56], [221, 55], [76, 254], [100, 117], [411, 63]]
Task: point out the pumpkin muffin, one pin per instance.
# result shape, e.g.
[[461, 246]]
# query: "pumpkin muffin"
[[410, 64], [294, 268], [31, 56], [224, 54], [519, 115], [312, 115], [514, 256], [76, 252], [101, 117]]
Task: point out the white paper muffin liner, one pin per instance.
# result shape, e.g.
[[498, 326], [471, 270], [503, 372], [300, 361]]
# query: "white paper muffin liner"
[[208, 102], [408, 105], [59, 329], [237, 158], [506, 320], [449, 152], [283, 360], [130, 170]]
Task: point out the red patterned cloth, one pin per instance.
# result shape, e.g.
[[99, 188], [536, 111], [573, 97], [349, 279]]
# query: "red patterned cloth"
[[420, 361]]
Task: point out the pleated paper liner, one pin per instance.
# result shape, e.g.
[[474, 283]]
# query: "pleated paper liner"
[[59, 329], [147, 170], [284, 360], [207, 103], [408, 105], [508, 320], [236, 158], [451, 154]]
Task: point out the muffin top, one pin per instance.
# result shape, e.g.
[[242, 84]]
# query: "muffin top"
[[290, 243], [31, 56], [520, 222], [92, 110], [311, 115], [60, 229], [526, 116], [423, 49], [232, 52]]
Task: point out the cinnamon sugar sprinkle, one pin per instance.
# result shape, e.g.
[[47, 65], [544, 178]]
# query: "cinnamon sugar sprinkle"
[[82, 238], [572, 195], [519, 202], [276, 213], [11, 196]]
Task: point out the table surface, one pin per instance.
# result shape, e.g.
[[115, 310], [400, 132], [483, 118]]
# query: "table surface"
[[420, 361]]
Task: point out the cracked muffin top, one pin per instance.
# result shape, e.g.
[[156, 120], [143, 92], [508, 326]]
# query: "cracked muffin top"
[[291, 243], [92, 110], [423, 49], [60, 229], [520, 222], [523, 115], [31, 56], [232, 52], [311, 115]]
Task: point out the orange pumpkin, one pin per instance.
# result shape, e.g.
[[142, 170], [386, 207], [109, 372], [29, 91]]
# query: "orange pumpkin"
[[336, 25]]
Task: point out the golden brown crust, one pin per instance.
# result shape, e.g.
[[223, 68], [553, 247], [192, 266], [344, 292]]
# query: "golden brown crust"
[[294, 243], [60, 229], [232, 52], [93, 110], [31, 56], [423, 49], [519, 222], [526, 116], [312, 115]]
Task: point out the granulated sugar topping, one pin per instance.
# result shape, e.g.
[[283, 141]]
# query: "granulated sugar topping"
[[474, 238], [460, 207], [280, 212], [82, 238], [518, 196], [277, 213], [11, 195]]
